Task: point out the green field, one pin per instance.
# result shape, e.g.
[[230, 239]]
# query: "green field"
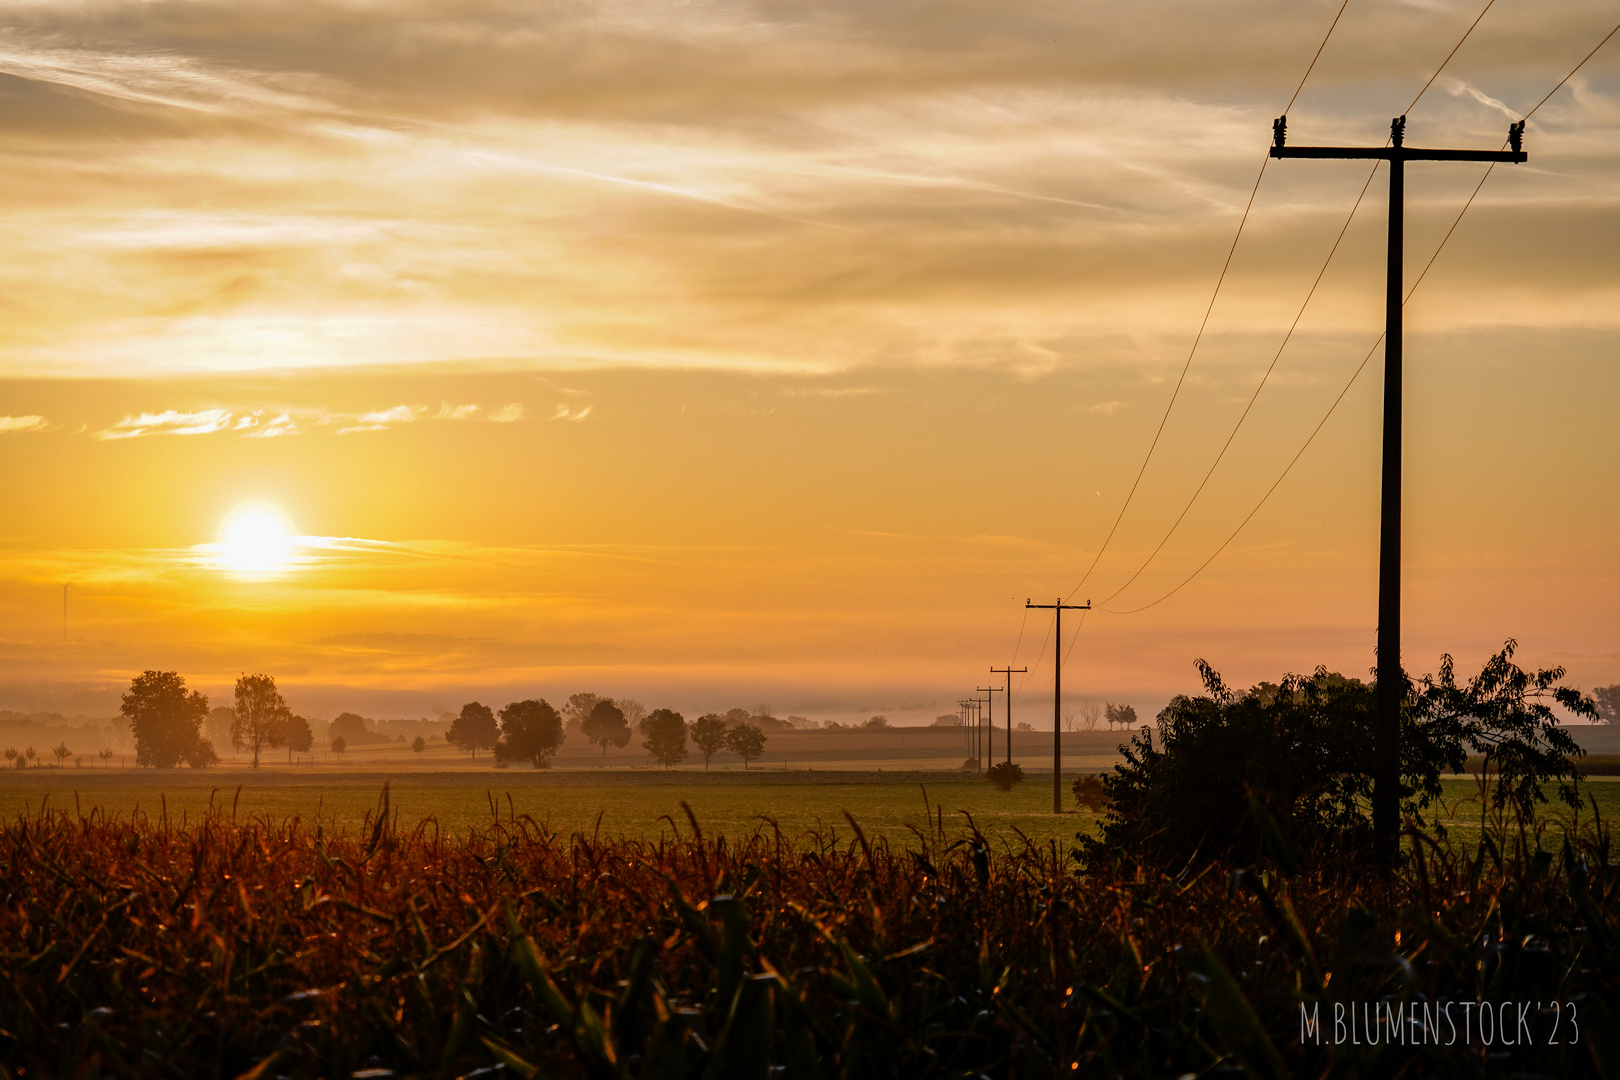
[[635, 803]]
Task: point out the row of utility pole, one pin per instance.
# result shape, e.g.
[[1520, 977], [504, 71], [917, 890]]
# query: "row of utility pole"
[[978, 715]]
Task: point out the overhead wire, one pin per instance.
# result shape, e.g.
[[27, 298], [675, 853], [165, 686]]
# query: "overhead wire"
[[1298, 315], [1362, 366], [1204, 323]]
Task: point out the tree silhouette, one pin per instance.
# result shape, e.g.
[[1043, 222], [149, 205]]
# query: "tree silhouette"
[[579, 707], [530, 731], [339, 745], [605, 726], [298, 736], [1607, 699], [1123, 715], [61, 751], [709, 733], [665, 731], [261, 716], [165, 720], [104, 754], [419, 745], [746, 741], [474, 729]]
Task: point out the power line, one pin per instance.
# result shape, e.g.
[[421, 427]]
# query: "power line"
[[1199, 337], [1357, 373], [1298, 315]]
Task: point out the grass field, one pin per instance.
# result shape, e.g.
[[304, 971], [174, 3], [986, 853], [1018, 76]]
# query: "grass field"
[[608, 802]]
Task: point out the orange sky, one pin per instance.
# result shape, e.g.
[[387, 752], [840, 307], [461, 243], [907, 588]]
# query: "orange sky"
[[725, 352]]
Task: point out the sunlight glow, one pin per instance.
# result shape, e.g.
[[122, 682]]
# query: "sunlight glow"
[[255, 540]]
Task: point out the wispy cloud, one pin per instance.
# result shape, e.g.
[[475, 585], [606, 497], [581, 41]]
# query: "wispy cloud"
[[169, 422], [273, 423], [565, 412], [22, 423], [380, 420]]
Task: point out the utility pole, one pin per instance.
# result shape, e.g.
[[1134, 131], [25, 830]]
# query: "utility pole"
[[1058, 609], [1008, 671], [962, 707], [990, 720], [1391, 677]]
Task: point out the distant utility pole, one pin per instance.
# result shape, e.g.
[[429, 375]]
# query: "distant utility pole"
[[990, 719], [1008, 671], [1391, 678], [962, 707], [1057, 694]]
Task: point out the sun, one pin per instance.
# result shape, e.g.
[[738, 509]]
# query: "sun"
[[255, 540]]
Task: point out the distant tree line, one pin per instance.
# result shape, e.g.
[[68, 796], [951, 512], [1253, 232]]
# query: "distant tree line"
[[533, 730]]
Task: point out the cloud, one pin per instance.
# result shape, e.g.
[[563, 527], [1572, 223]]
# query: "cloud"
[[169, 422], [21, 423], [565, 412], [273, 423], [378, 421]]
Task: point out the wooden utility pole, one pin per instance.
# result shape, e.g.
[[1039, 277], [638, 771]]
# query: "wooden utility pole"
[[1058, 609], [989, 693], [1391, 678], [1009, 672]]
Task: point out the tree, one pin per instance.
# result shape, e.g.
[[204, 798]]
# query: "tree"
[[339, 745], [1123, 715], [352, 726], [11, 756], [709, 733], [261, 715], [203, 755], [665, 731], [165, 720], [1607, 699], [61, 751], [578, 709], [747, 741], [28, 752], [1090, 713], [298, 737], [1303, 749], [877, 723], [104, 754], [737, 716], [947, 720], [605, 725], [474, 729], [530, 731], [634, 711], [419, 746]]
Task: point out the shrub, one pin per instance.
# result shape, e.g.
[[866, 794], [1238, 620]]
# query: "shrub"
[[1005, 774], [1304, 748], [1089, 792]]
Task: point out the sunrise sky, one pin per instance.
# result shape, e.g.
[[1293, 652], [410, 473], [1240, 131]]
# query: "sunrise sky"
[[723, 352]]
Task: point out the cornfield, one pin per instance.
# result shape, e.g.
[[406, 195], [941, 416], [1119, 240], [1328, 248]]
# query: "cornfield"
[[226, 948]]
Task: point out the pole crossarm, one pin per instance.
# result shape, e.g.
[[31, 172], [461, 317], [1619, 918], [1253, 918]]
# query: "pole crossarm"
[[1057, 609], [1405, 153]]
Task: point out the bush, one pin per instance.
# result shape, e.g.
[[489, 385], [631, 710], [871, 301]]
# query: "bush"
[[1089, 792], [1005, 775], [1304, 749]]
